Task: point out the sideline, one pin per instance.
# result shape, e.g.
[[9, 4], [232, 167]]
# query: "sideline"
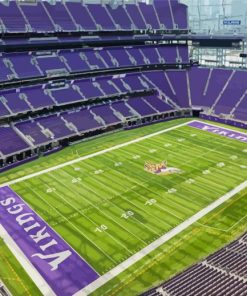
[[160, 241], [33, 273], [93, 155]]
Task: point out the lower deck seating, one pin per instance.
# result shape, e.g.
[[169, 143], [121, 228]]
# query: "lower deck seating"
[[32, 131], [222, 91], [56, 126], [99, 102], [12, 143], [31, 98], [241, 109], [62, 125], [106, 113], [222, 274], [141, 107], [82, 119], [122, 108]]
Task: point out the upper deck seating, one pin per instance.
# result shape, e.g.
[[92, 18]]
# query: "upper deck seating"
[[59, 16]]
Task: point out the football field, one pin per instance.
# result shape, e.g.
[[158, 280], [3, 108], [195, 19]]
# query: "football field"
[[108, 207]]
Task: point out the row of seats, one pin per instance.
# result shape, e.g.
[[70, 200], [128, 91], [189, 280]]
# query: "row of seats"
[[64, 62], [171, 83], [219, 90], [38, 97], [222, 91], [221, 274], [70, 16], [43, 130]]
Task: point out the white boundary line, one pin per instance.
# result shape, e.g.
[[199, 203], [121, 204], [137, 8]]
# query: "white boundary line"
[[35, 276], [14, 248], [136, 257], [237, 130], [93, 154], [160, 241]]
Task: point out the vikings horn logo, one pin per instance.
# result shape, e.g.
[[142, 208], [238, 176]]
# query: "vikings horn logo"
[[160, 168]]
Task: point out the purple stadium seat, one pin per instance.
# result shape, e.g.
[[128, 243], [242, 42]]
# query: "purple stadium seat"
[[133, 80], [169, 53], [23, 66], [14, 102], [95, 63], [141, 107], [12, 142], [180, 14], [198, 80], [136, 16], [103, 52], [12, 17], [50, 63], [122, 108], [150, 53], [74, 61], [106, 113], [136, 54], [149, 15], [5, 73], [217, 81], [158, 104], [184, 53], [232, 94], [37, 97], [120, 17], [119, 84], [60, 16], [164, 14], [33, 132], [56, 125], [241, 110], [37, 17], [121, 56], [107, 87], [3, 110], [179, 83], [101, 17], [82, 119], [66, 95], [81, 16], [88, 89]]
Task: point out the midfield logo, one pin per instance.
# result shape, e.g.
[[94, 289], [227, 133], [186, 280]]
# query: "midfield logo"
[[160, 169]]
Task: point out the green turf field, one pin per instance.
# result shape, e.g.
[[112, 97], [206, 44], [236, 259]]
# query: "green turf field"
[[108, 207]]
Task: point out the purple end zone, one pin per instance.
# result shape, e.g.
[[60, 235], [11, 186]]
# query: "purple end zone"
[[61, 267], [219, 131]]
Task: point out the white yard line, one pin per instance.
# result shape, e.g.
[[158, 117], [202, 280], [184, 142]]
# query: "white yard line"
[[25, 263], [160, 241], [74, 226], [94, 154], [33, 273]]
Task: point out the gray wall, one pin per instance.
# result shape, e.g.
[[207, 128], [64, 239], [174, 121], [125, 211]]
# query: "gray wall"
[[205, 15]]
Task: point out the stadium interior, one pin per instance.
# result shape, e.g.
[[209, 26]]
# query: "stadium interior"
[[74, 70]]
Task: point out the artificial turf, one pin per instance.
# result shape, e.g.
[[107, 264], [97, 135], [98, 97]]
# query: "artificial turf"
[[108, 207]]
